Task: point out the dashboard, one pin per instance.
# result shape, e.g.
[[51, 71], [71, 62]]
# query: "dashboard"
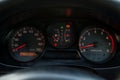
[[94, 43], [71, 36], [31, 40]]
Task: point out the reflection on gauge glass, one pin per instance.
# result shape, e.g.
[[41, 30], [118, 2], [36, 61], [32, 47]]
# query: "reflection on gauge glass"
[[26, 44], [97, 44], [60, 35]]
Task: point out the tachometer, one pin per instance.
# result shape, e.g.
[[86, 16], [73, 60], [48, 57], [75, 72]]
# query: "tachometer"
[[97, 44], [26, 44]]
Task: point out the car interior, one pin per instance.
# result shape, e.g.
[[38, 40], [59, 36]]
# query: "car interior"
[[59, 39]]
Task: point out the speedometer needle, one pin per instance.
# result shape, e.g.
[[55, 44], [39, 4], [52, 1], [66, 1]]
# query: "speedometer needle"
[[20, 47], [87, 46]]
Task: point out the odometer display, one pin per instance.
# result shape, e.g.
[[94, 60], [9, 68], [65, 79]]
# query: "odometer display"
[[97, 44], [26, 44]]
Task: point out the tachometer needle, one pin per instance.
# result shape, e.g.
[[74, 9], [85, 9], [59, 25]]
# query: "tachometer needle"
[[87, 46], [20, 47]]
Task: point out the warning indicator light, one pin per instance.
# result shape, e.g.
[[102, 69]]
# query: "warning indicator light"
[[68, 26]]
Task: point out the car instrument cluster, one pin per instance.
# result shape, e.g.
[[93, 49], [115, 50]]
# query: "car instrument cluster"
[[95, 44]]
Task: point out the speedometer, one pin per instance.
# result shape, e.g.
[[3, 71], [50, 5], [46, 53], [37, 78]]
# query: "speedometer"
[[26, 44], [97, 44]]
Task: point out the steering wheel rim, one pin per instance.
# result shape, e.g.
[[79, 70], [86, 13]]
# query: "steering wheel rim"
[[52, 73]]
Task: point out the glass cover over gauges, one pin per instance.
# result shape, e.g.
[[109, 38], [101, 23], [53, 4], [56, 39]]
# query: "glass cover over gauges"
[[60, 35], [26, 44], [97, 44]]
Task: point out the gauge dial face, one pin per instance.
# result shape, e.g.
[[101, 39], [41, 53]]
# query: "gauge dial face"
[[60, 35], [97, 45], [26, 44]]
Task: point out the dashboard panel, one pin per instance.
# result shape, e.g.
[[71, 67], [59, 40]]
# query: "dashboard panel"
[[30, 38]]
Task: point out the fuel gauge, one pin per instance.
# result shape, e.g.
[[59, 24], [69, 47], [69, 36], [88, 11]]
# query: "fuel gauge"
[[61, 35]]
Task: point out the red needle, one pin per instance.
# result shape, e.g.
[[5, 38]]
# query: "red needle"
[[20, 47], [87, 46]]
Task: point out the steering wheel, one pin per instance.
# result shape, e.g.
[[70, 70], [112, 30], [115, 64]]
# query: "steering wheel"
[[52, 73]]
